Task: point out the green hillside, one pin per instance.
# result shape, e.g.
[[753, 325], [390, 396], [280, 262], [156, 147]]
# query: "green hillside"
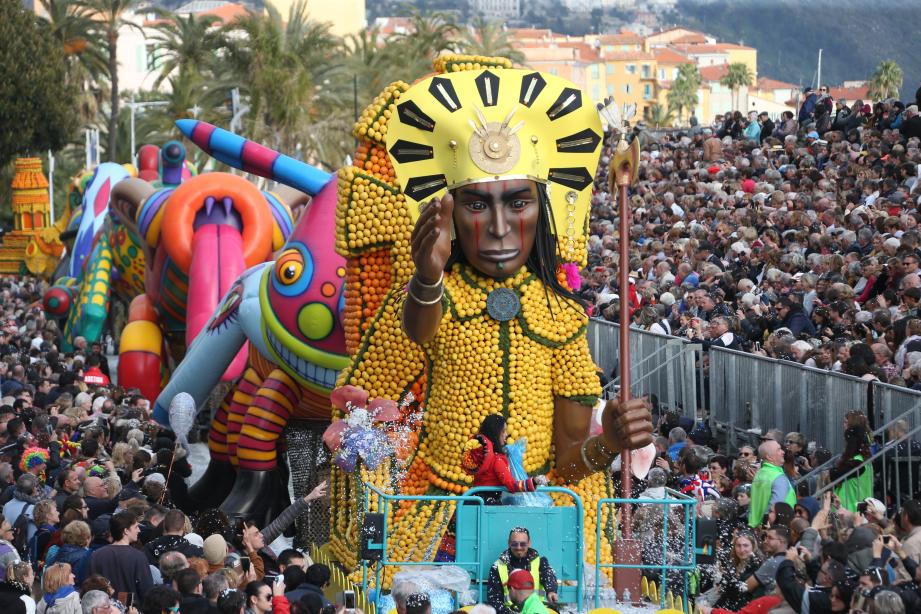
[[855, 36]]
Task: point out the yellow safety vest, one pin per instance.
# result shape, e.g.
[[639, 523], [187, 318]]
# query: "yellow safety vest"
[[503, 576]]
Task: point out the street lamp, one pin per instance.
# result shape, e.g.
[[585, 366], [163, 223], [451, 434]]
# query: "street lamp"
[[134, 106]]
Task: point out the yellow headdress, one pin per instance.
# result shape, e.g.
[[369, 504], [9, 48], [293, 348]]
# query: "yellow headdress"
[[464, 127]]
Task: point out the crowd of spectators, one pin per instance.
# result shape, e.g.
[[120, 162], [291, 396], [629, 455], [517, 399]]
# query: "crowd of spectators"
[[96, 515], [776, 547], [797, 240]]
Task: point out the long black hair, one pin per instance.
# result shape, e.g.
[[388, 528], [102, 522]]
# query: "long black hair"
[[490, 428], [545, 254]]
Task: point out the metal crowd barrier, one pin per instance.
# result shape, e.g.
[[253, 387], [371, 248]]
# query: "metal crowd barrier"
[[746, 393], [682, 562], [660, 365]]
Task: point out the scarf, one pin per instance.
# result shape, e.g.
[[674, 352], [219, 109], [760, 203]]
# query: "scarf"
[[61, 593], [31, 499]]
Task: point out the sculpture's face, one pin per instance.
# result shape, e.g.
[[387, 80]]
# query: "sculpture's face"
[[496, 223], [303, 298]]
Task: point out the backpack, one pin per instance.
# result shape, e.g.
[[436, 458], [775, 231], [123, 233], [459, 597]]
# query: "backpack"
[[20, 539], [37, 558]]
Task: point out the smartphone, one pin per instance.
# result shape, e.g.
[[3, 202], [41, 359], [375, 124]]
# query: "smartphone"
[[244, 564], [129, 601], [348, 600], [886, 539]]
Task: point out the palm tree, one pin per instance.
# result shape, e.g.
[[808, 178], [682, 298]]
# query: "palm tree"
[[657, 115], [683, 93], [885, 81], [71, 25], [290, 72], [372, 63], [490, 39], [110, 16], [428, 35], [185, 43], [737, 75]]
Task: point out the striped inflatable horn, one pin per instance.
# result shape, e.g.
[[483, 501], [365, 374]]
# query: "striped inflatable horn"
[[251, 157]]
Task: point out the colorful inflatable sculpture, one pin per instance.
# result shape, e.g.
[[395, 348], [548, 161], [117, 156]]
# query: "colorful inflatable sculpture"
[[289, 312], [81, 294], [104, 256], [196, 239]]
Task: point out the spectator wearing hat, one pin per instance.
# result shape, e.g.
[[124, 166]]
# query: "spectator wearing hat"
[[521, 593], [215, 551], [519, 555]]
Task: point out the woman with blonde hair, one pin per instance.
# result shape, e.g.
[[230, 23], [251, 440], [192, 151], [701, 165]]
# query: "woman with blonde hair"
[[18, 587], [60, 594], [123, 457], [745, 558], [74, 550], [113, 486]]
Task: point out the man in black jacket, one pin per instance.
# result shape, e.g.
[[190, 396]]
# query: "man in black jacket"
[[188, 583], [791, 316], [519, 555], [172, 539], [767, 125], [832, 591]]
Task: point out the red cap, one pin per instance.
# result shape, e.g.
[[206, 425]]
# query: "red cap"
[[521, 579], [713, 169]]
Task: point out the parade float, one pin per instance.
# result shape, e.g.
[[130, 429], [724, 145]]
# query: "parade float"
[[31, 207], [510, 342], [81, 292]]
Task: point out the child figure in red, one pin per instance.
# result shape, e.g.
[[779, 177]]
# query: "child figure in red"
[[485, 459]]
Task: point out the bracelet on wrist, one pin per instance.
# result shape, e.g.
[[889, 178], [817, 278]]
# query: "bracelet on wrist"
[[594, 464], [436, 285], [424, 294]]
